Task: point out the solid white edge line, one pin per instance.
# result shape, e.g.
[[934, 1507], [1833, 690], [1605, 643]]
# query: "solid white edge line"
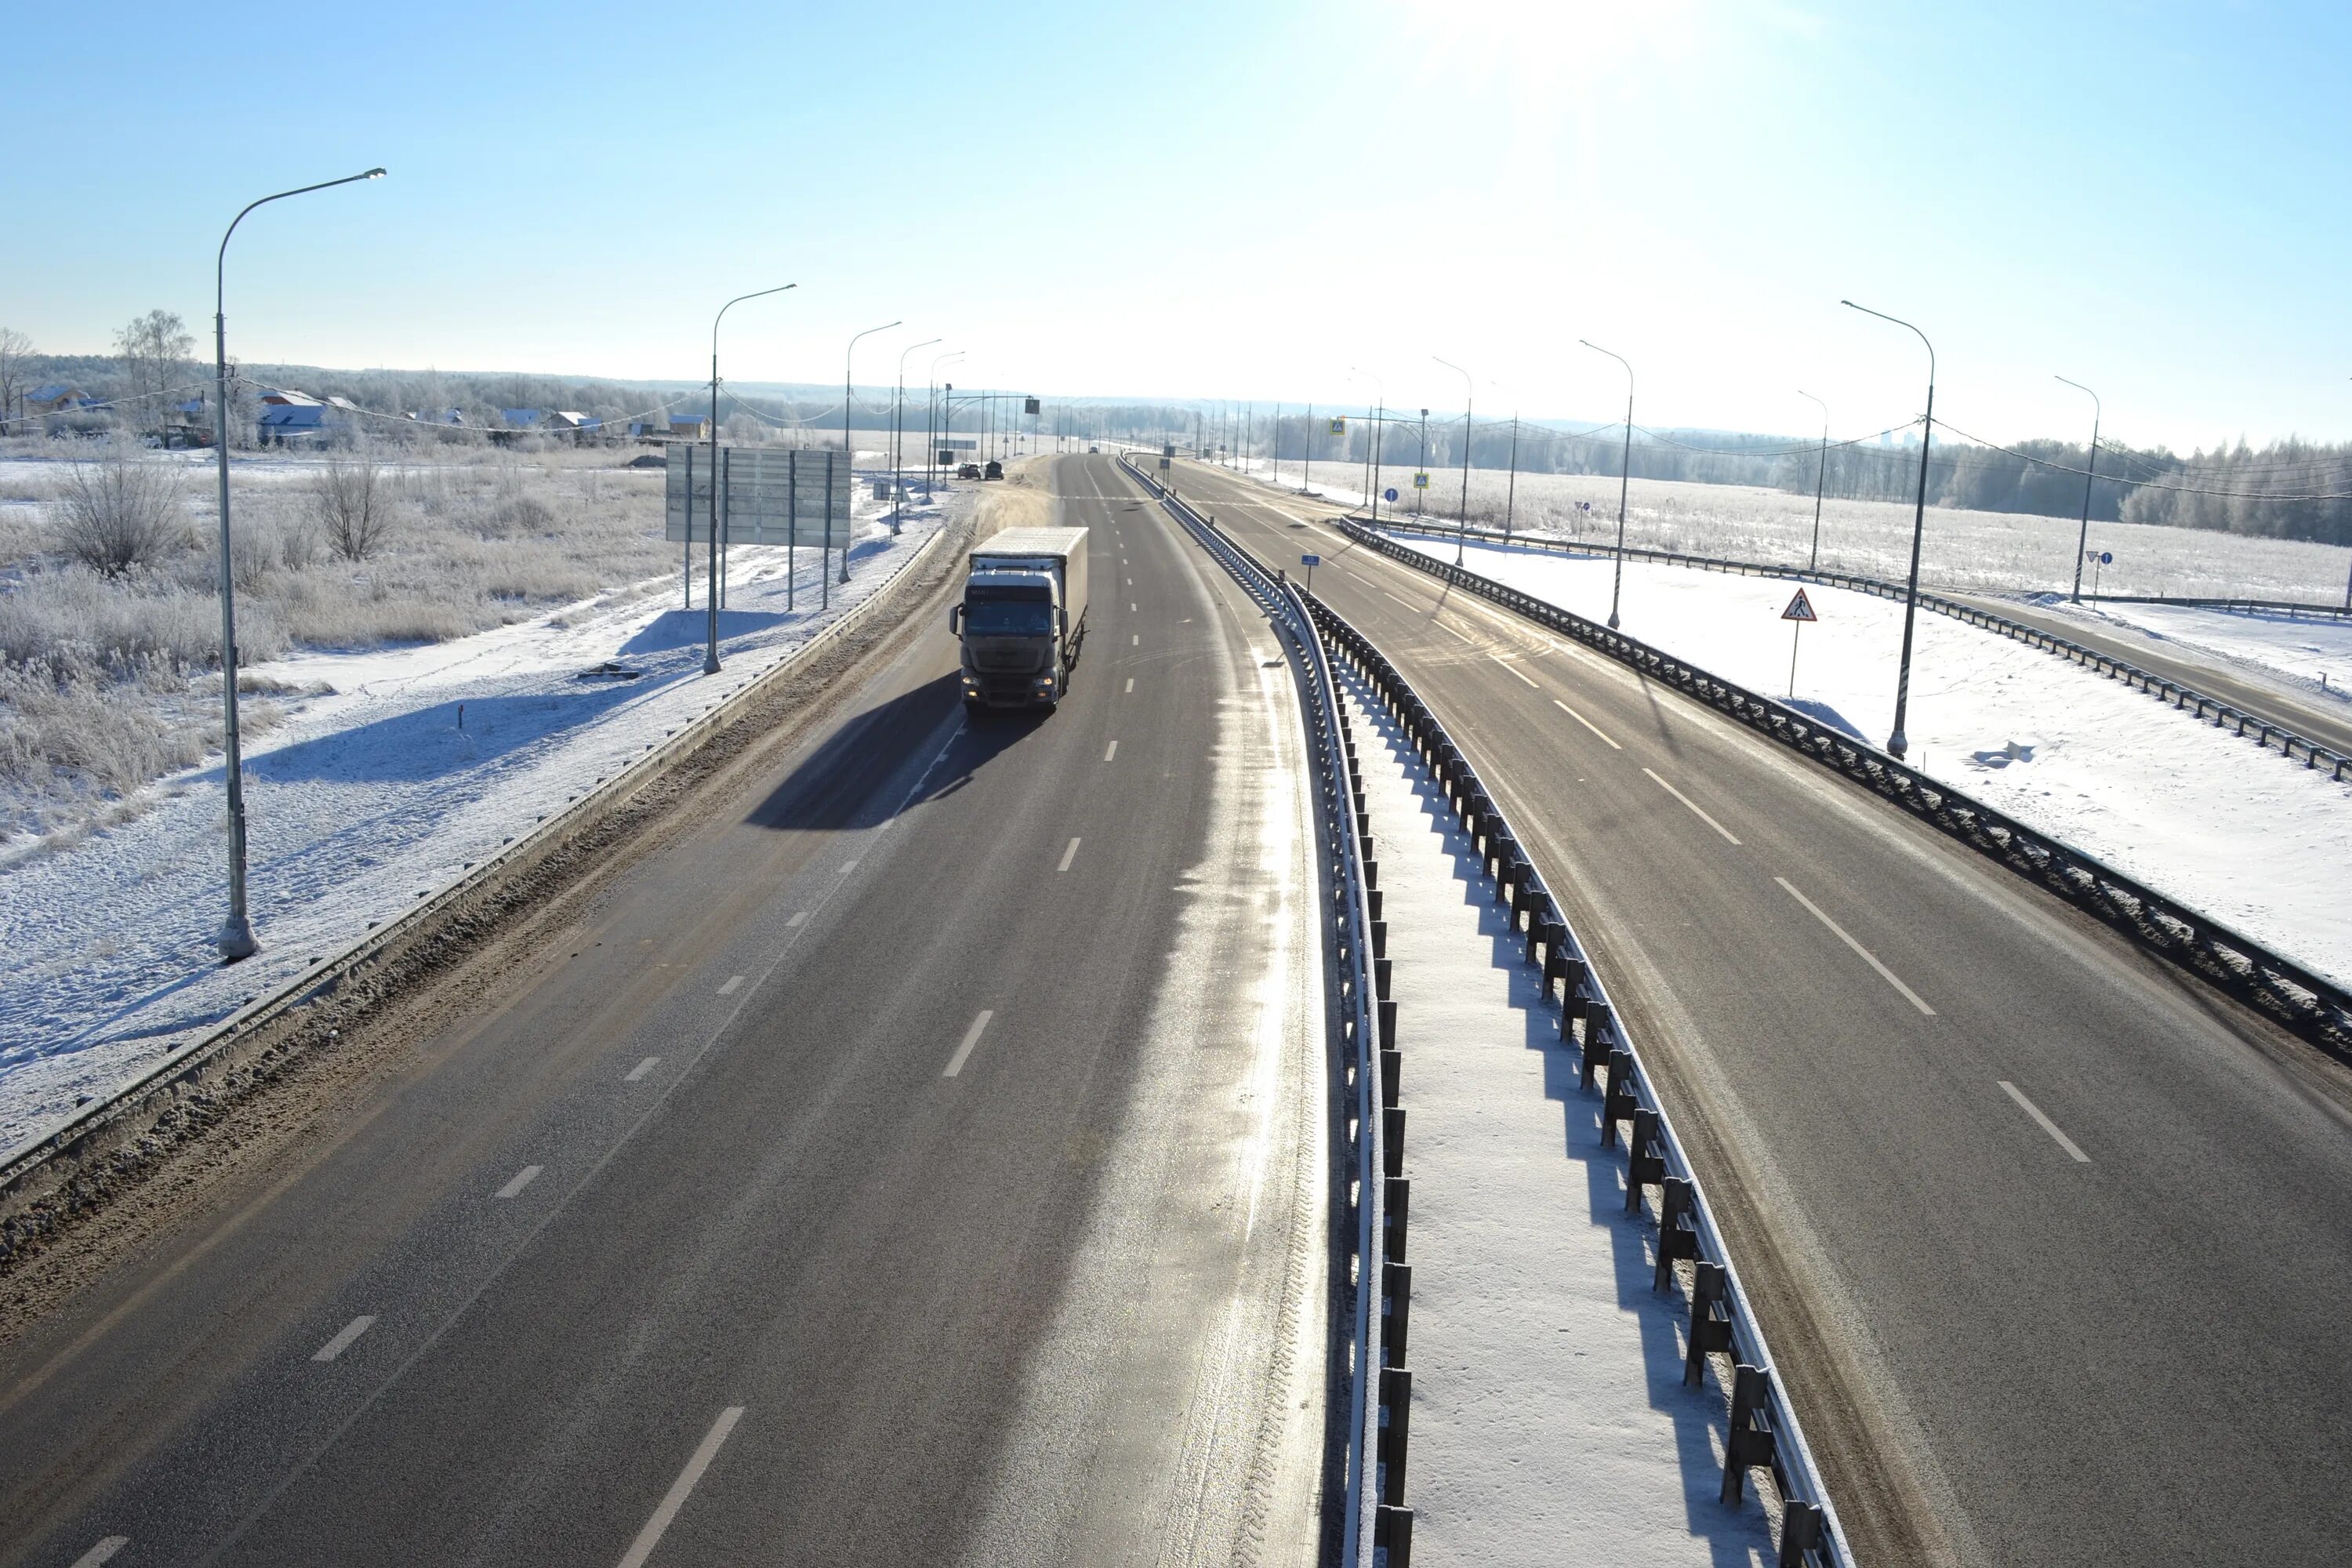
[[1586, 723], [971, 1038], [1067, 856], [681, 1489], [1514, 668], [732, 982], [641, 1068], [1687, 800], [343, 1341], [101, 1551], [1868, 957], [2048, 1126], [522, 1179]]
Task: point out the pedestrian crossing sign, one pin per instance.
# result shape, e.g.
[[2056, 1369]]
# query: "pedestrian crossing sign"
[[1800, 609], [1339, 428], [1420, 481]]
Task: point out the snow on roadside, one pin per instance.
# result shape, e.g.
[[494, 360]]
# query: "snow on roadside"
[[423, 761], [1549, 1422], [2230, 830]]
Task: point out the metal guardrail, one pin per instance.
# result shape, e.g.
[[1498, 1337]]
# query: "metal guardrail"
[[175, 1074], [1764, 1429], [2315, 1007], [1376, 1529], [2263, 731]]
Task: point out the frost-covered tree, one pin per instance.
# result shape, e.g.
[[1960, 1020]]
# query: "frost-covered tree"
[[154, 350]]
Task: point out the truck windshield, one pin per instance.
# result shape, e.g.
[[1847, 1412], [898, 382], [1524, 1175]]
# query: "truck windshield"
[[1009, 618]]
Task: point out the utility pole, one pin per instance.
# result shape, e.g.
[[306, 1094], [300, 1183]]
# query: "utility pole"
[[1897, 743], [1462, 517], [1511, 493], [2083, 541], [1307, 465], [848, 453], [899, 433], [710, 649], [1820, 481]]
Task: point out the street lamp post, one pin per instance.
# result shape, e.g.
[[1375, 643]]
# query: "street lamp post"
[[899, 431], [2090, 469], [931, 419], [1821, 480], [236, 940], [1420, 466], [1462, 519], [1372, 441], [1897, 743], [1624, 480], [849, 457], [710, 647]]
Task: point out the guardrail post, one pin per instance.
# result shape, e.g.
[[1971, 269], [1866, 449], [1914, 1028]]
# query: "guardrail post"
[[1619, 1102], [1677, 1235], [1392, 1139], [1396, 1410], [1396, 1310], [1391, 1536], [1396, 1201], [1646, 1163], [1801, 1531], [1709, 1331], [1597, 1020], [1746, 1443]]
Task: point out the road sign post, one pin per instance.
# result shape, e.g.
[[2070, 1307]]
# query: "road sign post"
[[1800, 611], [1310, 562], [2097, 558]]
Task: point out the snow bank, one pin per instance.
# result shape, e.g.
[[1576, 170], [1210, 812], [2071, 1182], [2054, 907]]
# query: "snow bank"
[[2232, 830], [2309, 656], [423, 761]]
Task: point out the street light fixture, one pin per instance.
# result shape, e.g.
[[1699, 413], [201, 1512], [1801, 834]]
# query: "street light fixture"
[[898, 430], [1372, 447], [1462, 517], [1896, 744], [1821, 478], [849, 457], [710, 647], [236, 940], [1624, 479], [1511, 486], [2082, 543]]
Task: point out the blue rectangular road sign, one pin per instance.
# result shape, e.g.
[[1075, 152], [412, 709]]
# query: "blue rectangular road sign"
[[1310, 561]]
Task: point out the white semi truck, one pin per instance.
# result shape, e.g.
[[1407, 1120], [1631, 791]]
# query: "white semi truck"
[[1023, 612]]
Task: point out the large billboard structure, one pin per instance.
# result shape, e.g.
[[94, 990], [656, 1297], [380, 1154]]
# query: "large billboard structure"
[[767, 495]]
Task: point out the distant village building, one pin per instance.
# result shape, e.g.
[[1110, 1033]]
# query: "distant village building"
[[520, 418], [693, 428], [290, 415], [57, 398]]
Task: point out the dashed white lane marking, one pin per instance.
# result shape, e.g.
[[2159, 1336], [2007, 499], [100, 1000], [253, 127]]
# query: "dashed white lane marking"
[[1687, 800], [1130, 607], [2048, 1126], [1130, 683], [1135, 641], [100, 1552], [1514, 668], [522, 1179], [641, 1068], [1067, 856], [681, 1489], [1868, 957], [799, 920], [1408, 604], [1586, 723], [847, 867], [1113, 752], [342, 1342], [732, 982], [1441, 626], [971, 1038]]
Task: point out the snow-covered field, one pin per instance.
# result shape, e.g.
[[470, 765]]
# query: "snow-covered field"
[[422, 760], [1976, 552], [2226, 827]]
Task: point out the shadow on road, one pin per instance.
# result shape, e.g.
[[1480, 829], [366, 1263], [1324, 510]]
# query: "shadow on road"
[[840, 785]]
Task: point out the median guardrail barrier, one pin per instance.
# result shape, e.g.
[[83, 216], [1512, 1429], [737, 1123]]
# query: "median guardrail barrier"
[[2263, 731], [2314, 1007]]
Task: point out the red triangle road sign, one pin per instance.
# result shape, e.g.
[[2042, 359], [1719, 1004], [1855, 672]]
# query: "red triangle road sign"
[[1800, 609]]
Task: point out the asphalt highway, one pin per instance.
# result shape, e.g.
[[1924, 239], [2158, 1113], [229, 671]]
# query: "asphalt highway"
[[922, 1160], [2052, 1244]]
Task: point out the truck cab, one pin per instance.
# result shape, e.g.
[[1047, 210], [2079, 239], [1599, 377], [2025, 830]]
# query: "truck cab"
[[1022, 614]]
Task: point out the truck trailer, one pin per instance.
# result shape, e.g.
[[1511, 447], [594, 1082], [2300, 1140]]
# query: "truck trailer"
[[1023, 613]]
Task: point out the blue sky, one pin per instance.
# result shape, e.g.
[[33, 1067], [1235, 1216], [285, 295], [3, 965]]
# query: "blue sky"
[[1239, 200]]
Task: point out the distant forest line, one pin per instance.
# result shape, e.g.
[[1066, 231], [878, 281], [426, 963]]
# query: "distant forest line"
[[2259, 487]]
